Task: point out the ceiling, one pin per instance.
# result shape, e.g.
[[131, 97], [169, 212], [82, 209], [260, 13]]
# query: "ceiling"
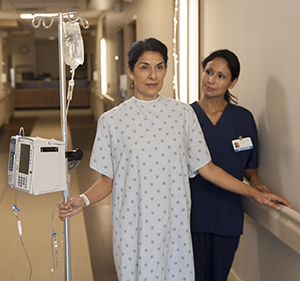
[[10, 10]]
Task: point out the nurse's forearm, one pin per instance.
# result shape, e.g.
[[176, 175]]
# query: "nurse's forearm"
[[252, 176]]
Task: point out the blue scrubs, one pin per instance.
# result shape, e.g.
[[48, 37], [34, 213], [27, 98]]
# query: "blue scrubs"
[[216, 211]]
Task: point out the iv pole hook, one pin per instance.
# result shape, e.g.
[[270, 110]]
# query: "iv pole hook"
[[49, 25], [38, 22]]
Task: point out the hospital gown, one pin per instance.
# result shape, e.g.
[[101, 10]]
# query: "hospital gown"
[[149, 149]]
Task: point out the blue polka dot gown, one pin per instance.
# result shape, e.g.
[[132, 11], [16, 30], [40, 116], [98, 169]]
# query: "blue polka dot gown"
[[150, 148]]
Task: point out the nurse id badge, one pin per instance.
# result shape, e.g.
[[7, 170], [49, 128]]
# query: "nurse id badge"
[[242, 144]]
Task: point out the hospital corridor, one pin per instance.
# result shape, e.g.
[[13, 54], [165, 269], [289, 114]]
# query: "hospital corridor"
[[91, 238], [72, 56]]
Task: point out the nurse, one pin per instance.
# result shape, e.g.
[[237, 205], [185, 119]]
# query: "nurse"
[[231, 136], [145, 150]]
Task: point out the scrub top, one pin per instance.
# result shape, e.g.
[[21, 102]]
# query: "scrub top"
[[149, 149], [216, 210]]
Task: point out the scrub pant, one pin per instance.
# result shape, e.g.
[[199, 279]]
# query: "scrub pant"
[[213, 255]]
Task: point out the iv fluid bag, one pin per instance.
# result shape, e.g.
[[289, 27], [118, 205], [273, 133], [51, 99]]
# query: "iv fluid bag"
[[72, 44]]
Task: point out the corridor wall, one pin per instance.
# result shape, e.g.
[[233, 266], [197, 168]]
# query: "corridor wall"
[[264, 35], [6, 95]]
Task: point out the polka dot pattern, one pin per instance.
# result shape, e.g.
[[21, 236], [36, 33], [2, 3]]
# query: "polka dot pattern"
[[150, 149]]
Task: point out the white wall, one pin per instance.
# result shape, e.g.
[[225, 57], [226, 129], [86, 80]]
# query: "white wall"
[[264, 35]]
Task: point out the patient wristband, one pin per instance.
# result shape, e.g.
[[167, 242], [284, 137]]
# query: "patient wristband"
[[85, 199]]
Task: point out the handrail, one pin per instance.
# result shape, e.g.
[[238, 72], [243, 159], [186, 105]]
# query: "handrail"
[[283, 224], [290, 213]]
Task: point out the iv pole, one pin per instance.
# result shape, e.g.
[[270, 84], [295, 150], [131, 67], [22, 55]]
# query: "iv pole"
[[62, 88], [62, 74]]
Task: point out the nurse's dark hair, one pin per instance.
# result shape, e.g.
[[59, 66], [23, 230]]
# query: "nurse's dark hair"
[[138, 48], [233, 65]]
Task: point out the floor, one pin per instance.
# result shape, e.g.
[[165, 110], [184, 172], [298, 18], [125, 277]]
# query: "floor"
[[97, 217], [91, 231]]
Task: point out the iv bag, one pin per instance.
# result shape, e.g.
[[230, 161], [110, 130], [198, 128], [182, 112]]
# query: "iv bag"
[[72, 44]]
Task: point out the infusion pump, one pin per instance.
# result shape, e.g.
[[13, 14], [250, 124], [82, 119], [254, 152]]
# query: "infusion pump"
[[37, 165]]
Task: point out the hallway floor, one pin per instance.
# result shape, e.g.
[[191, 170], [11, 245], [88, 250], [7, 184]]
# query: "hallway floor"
[[98, 216], [91, 232]]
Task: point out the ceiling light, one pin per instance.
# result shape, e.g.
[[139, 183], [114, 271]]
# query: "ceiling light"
[[31, 16], [45, 15], [26, 16]]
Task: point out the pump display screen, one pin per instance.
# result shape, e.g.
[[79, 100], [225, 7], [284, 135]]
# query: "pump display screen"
[[24, 159]]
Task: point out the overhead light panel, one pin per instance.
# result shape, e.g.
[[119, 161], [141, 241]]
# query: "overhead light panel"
[[26, 16], [31, 16]]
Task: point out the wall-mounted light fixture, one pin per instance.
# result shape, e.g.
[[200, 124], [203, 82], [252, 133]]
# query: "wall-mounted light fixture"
[[103, 65], [185, 50], [103, 55]]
